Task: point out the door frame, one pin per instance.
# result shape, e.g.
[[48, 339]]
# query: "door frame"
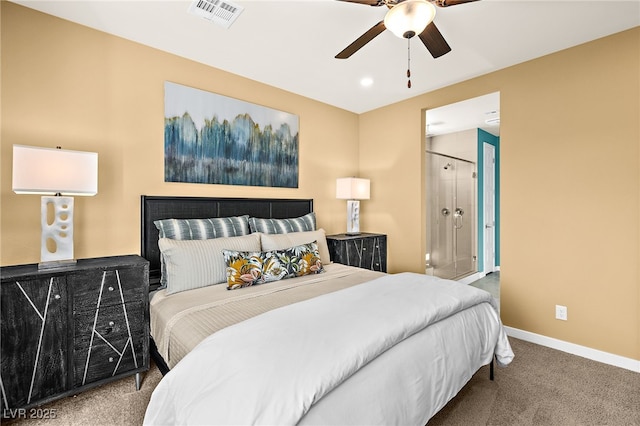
[[489, 208]]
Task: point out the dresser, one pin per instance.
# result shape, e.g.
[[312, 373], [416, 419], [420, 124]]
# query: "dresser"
[[64, 331], [364, 250]]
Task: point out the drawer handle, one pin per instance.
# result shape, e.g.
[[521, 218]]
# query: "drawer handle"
[[364, 249], [57, 297], [110, 359], [111, 323], [110, 288]]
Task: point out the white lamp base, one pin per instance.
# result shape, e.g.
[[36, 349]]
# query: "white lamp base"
[[56, 243], [56, 264], [353, 217]]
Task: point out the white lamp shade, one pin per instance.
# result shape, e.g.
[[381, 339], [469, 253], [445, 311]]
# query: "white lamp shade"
[[409, 18], [38, 170], [352, 188]]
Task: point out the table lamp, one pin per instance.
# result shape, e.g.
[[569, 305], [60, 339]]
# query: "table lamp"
[[353, 189], [58, 175]]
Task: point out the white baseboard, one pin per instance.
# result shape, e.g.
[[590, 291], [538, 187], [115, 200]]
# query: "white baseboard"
[[572, 348], [471, 278], [475, 277]]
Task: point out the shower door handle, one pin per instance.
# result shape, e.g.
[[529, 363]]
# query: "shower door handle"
[[458, 215]]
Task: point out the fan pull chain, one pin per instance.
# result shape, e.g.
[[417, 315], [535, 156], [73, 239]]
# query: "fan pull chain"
[[409, 63]]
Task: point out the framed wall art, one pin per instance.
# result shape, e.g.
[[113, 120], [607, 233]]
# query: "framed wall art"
[[210, 138]]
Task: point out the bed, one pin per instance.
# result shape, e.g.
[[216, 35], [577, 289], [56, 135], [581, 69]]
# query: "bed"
[[316, 342]]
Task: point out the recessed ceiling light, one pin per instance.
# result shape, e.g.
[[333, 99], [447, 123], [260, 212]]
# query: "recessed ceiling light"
[[493, 121], [366, 82]]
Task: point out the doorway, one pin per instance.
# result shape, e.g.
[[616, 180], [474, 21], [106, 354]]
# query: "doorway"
[[470, 130]]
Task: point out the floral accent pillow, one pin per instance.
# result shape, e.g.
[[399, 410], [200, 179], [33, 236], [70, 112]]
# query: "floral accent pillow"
[[247, 268], [257, 267], [300, 260]]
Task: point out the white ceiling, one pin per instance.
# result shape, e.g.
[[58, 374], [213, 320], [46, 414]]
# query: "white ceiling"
[[291, 44], [482, 112]]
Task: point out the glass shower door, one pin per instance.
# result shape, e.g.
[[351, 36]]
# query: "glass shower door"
[[464, 218], [450, 216]]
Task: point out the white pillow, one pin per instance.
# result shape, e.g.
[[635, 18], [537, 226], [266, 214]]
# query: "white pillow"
[[192, 264], [292, 239]]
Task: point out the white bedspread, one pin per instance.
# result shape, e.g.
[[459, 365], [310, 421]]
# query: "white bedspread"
[[277, 367]]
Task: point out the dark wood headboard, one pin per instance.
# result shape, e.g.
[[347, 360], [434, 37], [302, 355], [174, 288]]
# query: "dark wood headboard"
[[169, 207]]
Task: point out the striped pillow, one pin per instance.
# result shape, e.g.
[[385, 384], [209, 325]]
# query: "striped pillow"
[[199, 229], [203, 229], [282, 241], [193, 264], [283, 226]]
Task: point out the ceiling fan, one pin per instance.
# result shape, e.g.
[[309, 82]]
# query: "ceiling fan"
[[406, 18]]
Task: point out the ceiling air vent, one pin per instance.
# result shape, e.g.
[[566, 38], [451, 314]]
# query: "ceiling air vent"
[[223, 13]]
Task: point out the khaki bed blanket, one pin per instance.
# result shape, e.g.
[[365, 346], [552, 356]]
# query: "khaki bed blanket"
[[180, 321]]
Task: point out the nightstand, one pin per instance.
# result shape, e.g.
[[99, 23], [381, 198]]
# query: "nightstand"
[[67, 330], [364, 250]]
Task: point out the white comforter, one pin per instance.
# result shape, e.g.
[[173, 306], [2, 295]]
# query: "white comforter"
[[393, 350]]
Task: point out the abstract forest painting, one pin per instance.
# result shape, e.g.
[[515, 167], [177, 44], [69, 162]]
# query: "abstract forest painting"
[[210, 138]]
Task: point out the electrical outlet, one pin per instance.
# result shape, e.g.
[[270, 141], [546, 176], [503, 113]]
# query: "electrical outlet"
[[561, 312]]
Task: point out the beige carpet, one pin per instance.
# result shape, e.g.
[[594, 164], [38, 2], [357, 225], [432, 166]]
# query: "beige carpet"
[[541, 387], [116, 403]]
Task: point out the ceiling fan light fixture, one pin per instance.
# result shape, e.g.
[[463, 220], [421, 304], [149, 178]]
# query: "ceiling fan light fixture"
[[409, 18]]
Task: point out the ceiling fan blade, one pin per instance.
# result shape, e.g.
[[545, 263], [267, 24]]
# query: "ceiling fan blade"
[[447, 3], [434, 41], [366, 2], [365, 38]]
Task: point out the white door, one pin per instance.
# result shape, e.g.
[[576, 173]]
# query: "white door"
[[489, 208]]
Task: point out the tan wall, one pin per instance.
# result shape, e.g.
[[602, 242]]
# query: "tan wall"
[[64, 84], [570, 189], [462, 144], [570, 163]]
